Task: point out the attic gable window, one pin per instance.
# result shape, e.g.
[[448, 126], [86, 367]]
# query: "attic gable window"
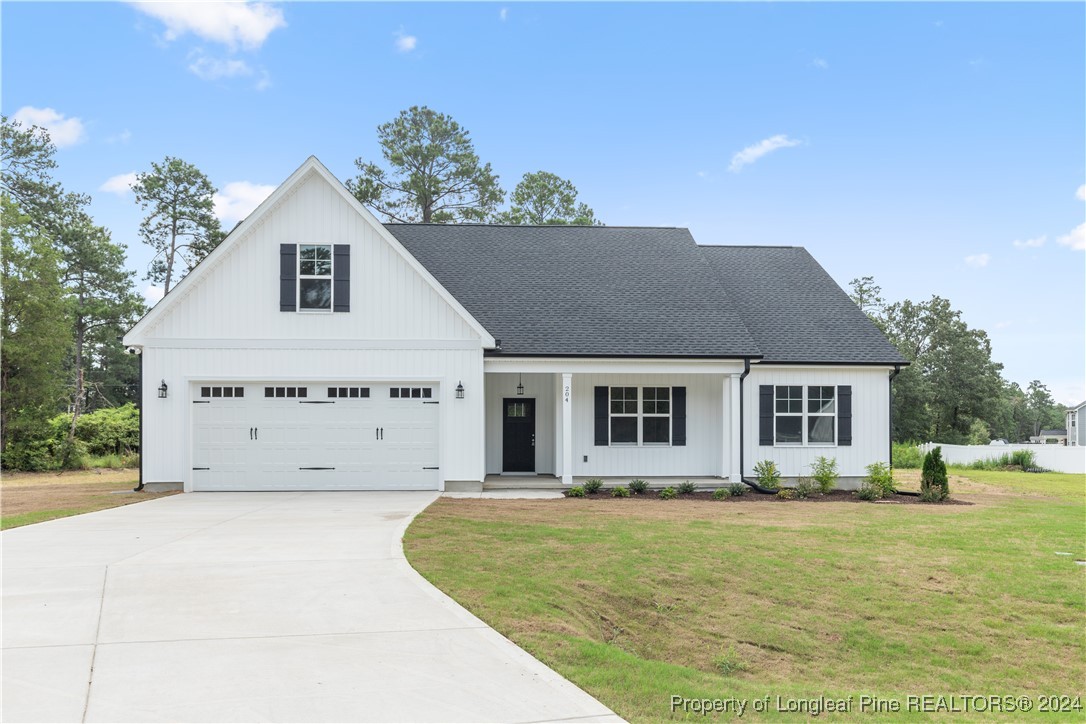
[[315, 277]]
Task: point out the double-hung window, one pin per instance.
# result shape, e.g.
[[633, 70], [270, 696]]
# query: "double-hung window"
[[640, 415], [624, 415], [656, 415], [315, 277], [805, 420]]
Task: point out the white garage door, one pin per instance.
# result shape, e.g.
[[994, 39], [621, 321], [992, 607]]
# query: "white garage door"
[[315, 436]]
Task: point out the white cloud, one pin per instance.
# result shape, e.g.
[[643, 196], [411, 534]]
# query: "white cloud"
[[820, 63], [233, 24], [63, 131], [750, 154], [1076, 239], [1081, 193], [152, 294], [503, 14], [120, 184], [405, 43], [207, 67], [123, 137], [238, 199], [1030, 243], [978, 261]]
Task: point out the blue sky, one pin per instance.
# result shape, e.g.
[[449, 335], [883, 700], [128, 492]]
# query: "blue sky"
[[940, 148]]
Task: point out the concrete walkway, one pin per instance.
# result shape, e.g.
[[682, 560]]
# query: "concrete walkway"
[[253, 607]]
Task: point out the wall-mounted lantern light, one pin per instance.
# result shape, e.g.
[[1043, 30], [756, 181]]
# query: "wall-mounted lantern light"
[[520, 385], [162, 390], [459, 390]]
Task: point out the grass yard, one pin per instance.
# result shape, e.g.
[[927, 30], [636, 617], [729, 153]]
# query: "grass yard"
[[639, 601], [27, 498]]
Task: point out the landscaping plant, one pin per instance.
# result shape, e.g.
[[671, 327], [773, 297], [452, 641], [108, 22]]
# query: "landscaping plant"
[[592, 485], [720, 494], [934, 484], [805, 487], [825, 473], [768, 475], [620, 492], [575, 492], [737, 489], [786, 494], [668, 493], [686, 488], [879, 479], [638, 486]]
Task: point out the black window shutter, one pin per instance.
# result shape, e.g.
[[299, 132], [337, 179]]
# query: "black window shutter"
[[844, 415], [341, 282], [678, 415], [765, 414], [601, 416], [288, 277]]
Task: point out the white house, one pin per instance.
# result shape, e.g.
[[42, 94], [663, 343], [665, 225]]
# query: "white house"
[[1075, 434], [317, 348]]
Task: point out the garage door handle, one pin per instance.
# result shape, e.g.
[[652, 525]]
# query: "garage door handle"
[[256, 433], [250, 433]]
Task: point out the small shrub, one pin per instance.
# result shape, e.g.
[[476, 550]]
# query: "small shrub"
[[906, 455], [880, 479], [620, 492], [668, 493], [769, 477], [686, 488], [575, 492], [786, 494], [825, 473], [720, 494], [868, 491], [805, 487], [638, 486], [592, 485], [737, 489], [934, 484], [1026, 459]]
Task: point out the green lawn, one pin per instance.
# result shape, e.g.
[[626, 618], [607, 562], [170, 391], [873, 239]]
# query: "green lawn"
[[636, 601]]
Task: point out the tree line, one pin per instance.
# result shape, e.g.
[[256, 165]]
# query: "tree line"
[[67, 296], [953, 392]]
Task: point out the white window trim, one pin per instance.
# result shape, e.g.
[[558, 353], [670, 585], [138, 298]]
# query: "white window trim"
[[804, 415], [640, 416], [330, 277]]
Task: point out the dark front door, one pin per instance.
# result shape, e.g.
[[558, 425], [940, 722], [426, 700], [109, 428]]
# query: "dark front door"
[[518, 435]]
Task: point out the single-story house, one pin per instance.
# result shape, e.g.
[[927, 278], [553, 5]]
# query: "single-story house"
[[1076, 435], [1050, 437], [319, 349]]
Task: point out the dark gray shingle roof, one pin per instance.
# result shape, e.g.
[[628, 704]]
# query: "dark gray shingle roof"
[[794, 309], [583, 290]]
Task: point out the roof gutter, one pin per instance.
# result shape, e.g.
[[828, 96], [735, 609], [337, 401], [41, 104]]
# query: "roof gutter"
[[139, 487], [742, 436]]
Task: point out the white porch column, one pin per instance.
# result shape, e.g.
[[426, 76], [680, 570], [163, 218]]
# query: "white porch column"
[[734, 467], [567, 428]]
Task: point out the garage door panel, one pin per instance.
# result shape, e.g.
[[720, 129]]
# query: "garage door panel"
[[297, 436]]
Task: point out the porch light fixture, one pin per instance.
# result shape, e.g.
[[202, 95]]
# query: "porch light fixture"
[[162, 390], [520, 384], [459, 390]]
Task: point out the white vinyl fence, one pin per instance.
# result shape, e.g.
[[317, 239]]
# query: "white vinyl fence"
[[1059, 458]]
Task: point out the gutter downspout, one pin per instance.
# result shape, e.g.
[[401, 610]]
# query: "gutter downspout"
[[742, 437], [139, 487], [890, 426]]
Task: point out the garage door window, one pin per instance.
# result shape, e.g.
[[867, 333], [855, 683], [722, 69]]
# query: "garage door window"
[[222, 392], [286, 392], [409, 392], [348, 392]]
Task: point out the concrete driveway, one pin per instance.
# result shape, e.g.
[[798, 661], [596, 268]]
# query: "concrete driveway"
[[253, 607]]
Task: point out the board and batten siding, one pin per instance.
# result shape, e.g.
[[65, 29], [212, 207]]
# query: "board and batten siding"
[[539, 387], [705, 429], [870, 419], [238, 298]]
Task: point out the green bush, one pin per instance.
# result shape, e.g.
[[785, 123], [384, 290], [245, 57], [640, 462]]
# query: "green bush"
[[620, 492], [575, 492], [769, 477], [881, 478], [720, 494], [686, 488], [737, 489], [638, 486], [786, 494], [70, 454], [804, 488], [906, 455], [110, 430], [113, 462], [1024, 458], [668, 493], [593, 485], [934, 484], [825, 473], [868, 491], [29, 455]]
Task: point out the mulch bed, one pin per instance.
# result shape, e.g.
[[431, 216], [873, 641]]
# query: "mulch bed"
[[752, 496]]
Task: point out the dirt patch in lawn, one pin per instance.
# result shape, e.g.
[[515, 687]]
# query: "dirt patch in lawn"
[[34, 497]]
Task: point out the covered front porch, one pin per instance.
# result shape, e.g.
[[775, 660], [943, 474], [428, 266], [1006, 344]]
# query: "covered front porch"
[[555, 422]]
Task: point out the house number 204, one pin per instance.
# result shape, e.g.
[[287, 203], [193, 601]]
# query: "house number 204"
[[565, 393]]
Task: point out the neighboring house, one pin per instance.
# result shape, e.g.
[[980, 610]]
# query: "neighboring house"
[[1075, 433], [1050, 437], [317, 348]]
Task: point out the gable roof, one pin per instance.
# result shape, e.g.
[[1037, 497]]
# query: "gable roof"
[[584, 290], [312, 166], [795, 310]]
